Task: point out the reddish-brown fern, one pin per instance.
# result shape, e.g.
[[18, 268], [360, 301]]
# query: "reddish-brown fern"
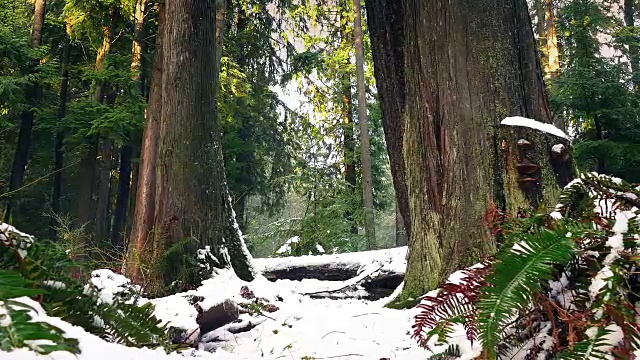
[[452, 300]]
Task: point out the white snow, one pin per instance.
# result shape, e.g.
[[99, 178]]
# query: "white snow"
[[600, 281], [558, 148], [533, 124], [302, 327], [394, 260]]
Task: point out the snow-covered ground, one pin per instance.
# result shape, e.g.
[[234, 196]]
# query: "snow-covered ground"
[[302, 328]]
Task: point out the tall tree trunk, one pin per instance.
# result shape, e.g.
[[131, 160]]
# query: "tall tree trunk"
[[103, 189], [634, 49], [59, 150], [386, 31], [541, 29], [140, 249], [460, 163], [552, 66], [365, 146], [33, 93], [401, 232], [192, 201], [348, 141], [126, 150], [88, 176]]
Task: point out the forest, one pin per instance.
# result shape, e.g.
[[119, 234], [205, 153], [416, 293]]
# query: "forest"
[[319, 179]]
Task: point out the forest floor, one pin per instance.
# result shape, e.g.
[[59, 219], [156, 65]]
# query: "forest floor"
[[301, 328]]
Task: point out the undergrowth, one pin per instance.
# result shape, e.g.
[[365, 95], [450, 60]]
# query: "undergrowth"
[[46, 273], [564, 285]]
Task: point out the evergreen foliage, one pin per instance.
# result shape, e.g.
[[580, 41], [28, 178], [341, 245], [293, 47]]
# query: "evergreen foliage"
[[562, 286], [44, 271]]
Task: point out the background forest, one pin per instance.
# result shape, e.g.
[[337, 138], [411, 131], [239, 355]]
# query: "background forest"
[[73, 94]]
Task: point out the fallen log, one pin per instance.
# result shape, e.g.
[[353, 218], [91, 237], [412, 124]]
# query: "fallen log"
[[345, 269]]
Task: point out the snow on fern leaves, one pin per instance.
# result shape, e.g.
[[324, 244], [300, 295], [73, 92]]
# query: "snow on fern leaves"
[[453, 303]]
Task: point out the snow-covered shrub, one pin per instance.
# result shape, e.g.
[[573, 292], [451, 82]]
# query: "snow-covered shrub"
[[46, 273], [564, 285]]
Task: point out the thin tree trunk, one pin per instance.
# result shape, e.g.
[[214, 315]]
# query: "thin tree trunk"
[[88, 176], [386, 31], [59, 150], [401, 233], [192, 201], [126, 150], [33, 93], [365, 146], [347, 124], [552, 66], [140, 249], [120, 210], [460, 164], [634, 49]]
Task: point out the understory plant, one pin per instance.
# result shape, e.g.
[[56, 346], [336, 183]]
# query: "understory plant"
[[45, 272], [564, 285]]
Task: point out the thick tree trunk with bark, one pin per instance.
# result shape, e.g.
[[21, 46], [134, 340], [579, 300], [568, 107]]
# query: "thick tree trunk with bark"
[[386, 31], [468, 65], [140, 250], [192, 198], [33, 93], [58, 150], [365, 145]]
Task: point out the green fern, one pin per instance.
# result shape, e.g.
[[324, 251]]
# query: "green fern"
[[517, 276], [588, 349], [46, 271]]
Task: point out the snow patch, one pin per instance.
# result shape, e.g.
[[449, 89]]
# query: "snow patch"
[[533, 124]]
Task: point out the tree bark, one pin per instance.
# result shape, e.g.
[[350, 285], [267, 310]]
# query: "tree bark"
[[480, 68], [140, 249], [59, 143], [552, 66], [192, 202], [386, 31], [33, 94], [103, 189], [401, 232], [365, 146]]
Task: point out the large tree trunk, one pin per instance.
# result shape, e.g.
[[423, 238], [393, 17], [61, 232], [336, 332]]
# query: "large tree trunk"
[[58, 150], [192, 201], [459, 162], [365, 146], [386, 31], [140, 250], [33, 93]]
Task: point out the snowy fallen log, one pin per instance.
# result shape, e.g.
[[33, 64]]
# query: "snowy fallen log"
[[347, 270]]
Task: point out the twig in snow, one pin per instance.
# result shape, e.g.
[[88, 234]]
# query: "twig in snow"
[[338, 356], [332, 332], [373, 313]]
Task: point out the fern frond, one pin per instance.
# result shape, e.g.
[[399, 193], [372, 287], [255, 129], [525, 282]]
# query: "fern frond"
[[517, 275], [589, 349], [454, 304]]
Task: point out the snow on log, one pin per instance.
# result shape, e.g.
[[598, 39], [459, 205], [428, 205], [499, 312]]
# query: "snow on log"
[[378, 272]]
